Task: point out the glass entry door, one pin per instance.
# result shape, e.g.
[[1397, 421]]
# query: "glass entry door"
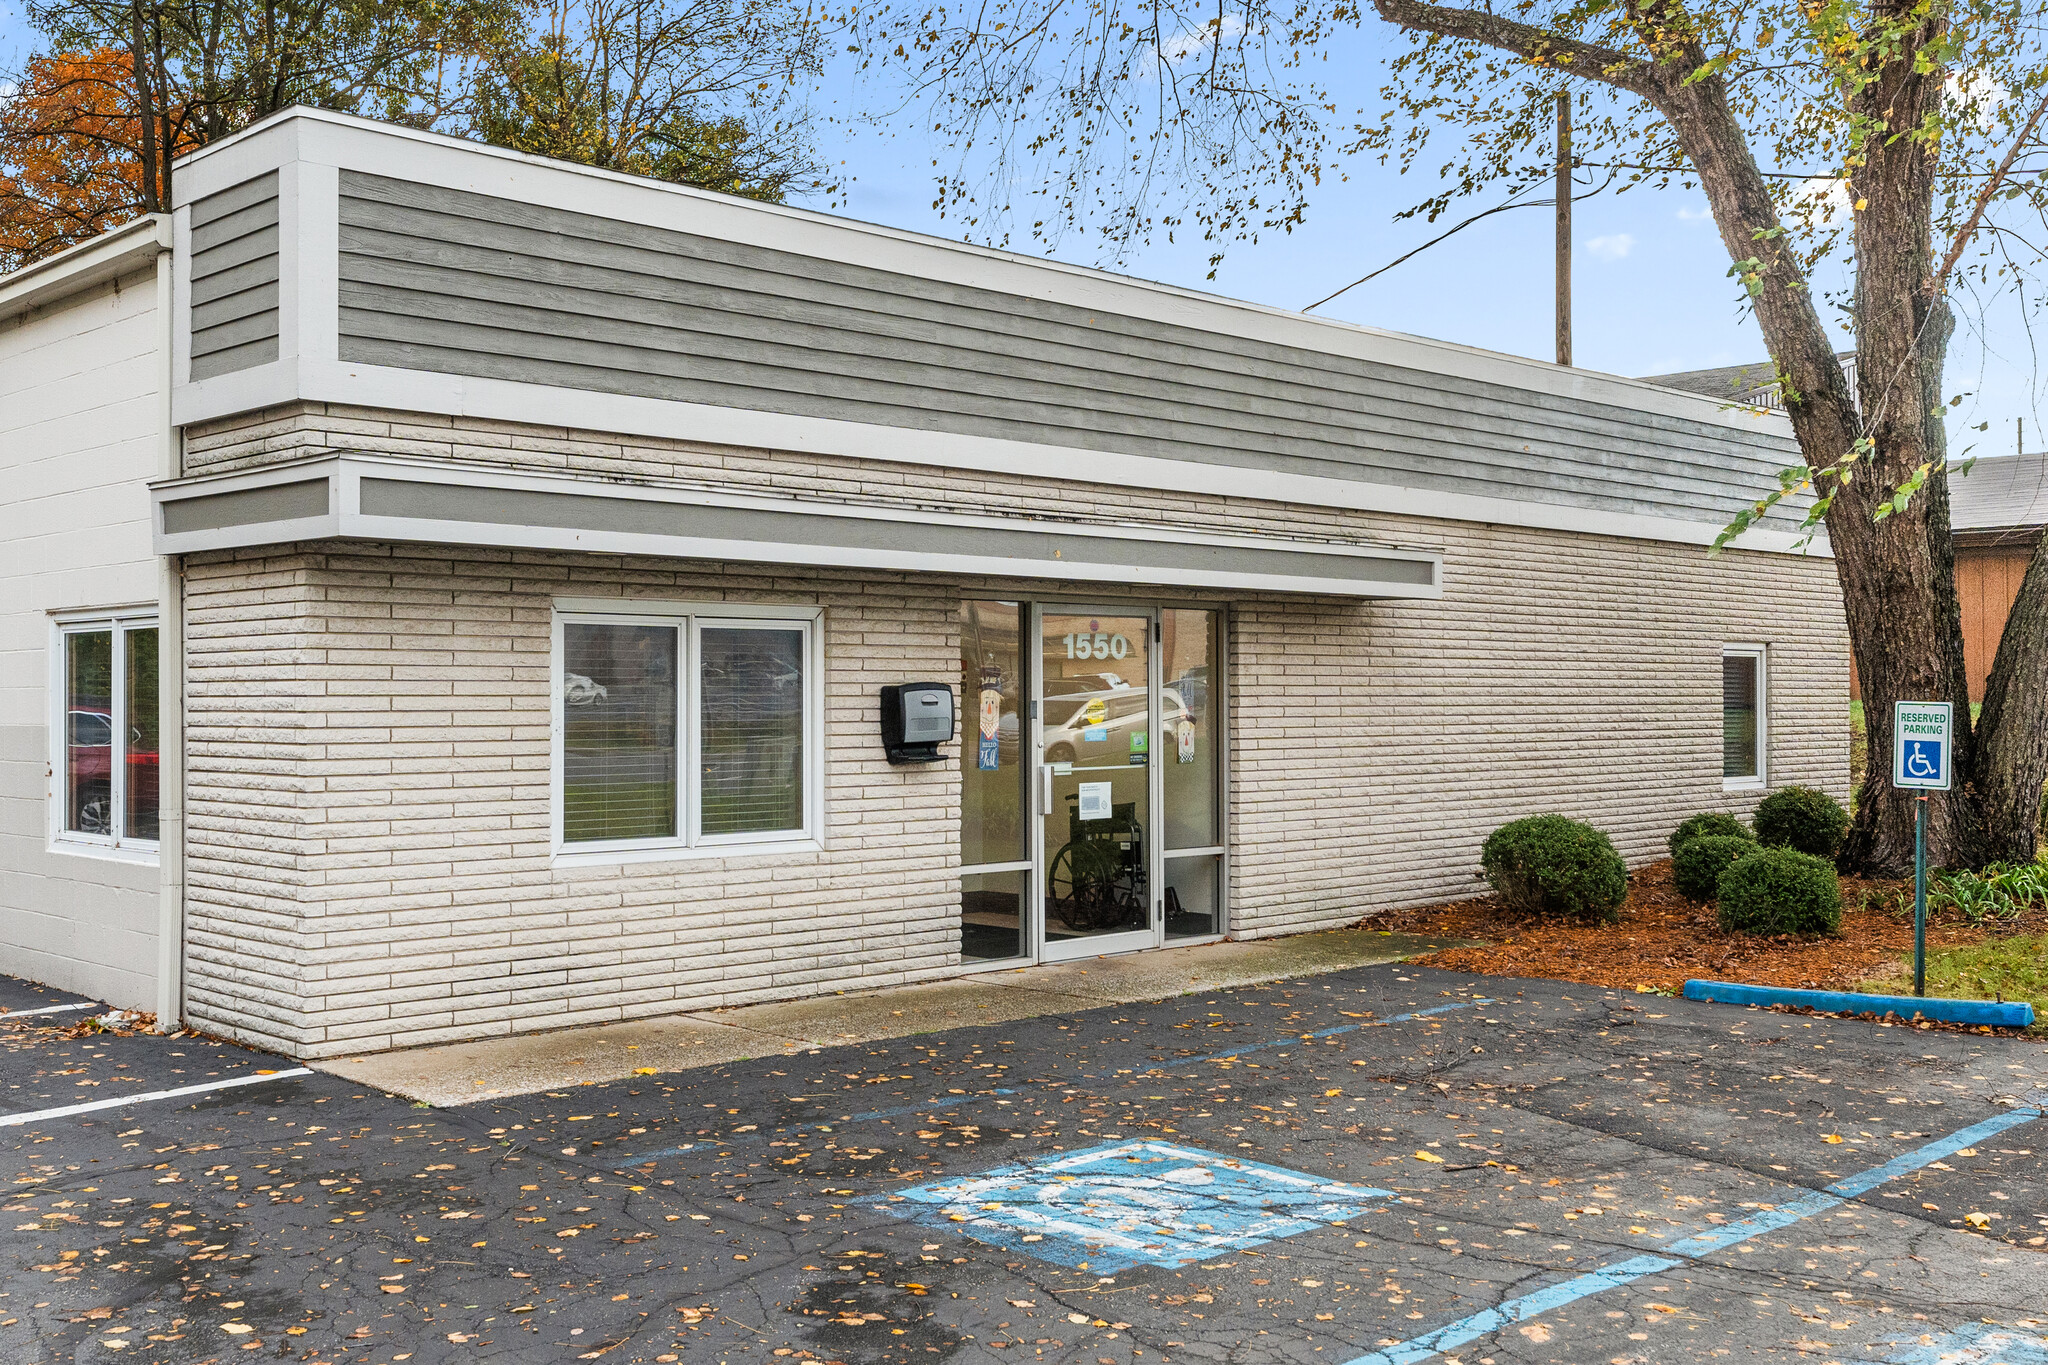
[[1098, 849]]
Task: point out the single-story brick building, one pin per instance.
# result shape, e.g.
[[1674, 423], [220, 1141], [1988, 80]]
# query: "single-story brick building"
[[450, 593]]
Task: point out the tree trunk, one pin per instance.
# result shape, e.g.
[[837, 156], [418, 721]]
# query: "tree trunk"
[[1897, 572], [155, 159]]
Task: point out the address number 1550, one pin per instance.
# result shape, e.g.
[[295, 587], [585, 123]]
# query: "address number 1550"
[[1099, 645]]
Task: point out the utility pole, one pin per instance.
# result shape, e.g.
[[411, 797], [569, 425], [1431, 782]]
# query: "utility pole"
[[1564, 229]]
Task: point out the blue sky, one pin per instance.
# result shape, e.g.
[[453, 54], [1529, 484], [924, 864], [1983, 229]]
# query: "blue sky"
[[1652, 293]]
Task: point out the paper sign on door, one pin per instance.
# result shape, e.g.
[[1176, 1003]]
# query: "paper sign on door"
[[987, 756], [1094, 801]]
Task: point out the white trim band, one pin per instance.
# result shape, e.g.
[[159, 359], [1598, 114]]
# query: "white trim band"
[[386, 498]]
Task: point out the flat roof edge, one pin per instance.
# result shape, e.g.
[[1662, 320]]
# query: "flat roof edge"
[[116, 252], [1012, 272]]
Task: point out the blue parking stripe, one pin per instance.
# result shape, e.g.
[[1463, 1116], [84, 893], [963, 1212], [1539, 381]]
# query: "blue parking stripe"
[[1851, 1186], [1702, 1243], [1296, 1040], [1514, 1311]]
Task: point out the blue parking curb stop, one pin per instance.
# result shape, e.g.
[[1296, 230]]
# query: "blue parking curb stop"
[[1998, 1014]]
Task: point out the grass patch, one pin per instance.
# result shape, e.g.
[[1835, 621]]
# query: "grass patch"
[[2007, 969]]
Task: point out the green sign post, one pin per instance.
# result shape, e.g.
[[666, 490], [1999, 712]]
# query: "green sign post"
[[1922, 754]]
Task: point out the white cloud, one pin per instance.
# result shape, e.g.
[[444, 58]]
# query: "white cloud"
[[1695, 215], [1977, 95], [1193, 44], [1820, 201], [1611, 248]]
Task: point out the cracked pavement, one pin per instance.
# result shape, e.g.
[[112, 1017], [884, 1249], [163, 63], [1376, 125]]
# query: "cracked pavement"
[[755, 1210]]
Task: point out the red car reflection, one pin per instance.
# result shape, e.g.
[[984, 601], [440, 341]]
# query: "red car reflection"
[[89, 776]]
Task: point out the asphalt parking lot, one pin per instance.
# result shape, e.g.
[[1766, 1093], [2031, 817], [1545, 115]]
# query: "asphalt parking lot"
[[1382, 1165]]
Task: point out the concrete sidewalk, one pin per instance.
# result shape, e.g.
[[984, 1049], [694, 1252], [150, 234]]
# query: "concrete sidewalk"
[[460, 1073]]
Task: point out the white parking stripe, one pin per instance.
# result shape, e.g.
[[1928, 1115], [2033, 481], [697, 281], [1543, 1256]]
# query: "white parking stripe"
[[48, 1009], [121, 1102]]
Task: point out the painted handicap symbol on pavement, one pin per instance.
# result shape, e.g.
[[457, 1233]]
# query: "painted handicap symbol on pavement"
[[1125, 1204], [1976, 1343]]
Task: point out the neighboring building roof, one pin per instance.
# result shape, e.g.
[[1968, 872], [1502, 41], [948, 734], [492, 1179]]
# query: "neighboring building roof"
[[1754, 383], [1729, 381], [2000, 492]]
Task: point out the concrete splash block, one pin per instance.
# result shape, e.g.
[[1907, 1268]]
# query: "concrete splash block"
[[2006, 1014]]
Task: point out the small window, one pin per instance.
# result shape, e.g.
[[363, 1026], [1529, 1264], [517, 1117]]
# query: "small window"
[[105, 734], [1742, 716], [687, 729]]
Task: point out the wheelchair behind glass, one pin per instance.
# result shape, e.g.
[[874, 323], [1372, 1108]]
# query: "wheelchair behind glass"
[[1097, 881]]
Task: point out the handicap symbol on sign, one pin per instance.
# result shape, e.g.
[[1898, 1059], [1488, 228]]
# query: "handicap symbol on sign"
[[1918, 762]]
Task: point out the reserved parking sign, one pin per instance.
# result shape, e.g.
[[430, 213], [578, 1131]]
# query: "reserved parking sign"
[[1921, 744]]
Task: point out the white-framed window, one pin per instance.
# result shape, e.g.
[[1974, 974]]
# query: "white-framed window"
[[686, 729], [105, 723], [1745, 729]]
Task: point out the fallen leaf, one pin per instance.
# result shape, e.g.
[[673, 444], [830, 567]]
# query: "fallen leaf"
[[1429, 1156], [235, 1329], [1830, 1137]]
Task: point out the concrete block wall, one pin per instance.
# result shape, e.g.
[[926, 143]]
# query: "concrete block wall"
[[1375, 745], [390, 703], [370, 858], [80, 437]]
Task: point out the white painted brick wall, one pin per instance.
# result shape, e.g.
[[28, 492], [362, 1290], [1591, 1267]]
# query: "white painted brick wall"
[[370, 751], [79, 440]]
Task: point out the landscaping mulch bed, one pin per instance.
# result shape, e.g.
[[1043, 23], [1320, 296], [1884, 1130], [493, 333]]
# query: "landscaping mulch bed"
[[1664, 938]]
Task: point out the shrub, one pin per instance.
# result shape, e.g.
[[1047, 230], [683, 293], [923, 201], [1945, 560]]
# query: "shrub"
[[1712, 825], [1550, 865], [1780, 891], [1700, 862], [1803, 819]]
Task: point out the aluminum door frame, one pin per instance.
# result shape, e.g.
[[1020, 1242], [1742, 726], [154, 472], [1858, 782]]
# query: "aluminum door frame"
[[1043, 949]]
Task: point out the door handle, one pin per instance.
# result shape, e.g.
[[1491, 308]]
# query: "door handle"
[[1045, 788]]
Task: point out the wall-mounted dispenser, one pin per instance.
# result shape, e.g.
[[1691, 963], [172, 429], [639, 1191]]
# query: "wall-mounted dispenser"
[[916, 719]]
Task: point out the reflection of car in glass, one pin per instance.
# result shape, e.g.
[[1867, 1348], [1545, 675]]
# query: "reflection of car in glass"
[[1068, 727], [578, 690], [89, 759], [751, 687]]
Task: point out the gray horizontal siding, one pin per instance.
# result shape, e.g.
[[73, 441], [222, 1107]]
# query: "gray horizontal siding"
[[234, 278], [445, 281]]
